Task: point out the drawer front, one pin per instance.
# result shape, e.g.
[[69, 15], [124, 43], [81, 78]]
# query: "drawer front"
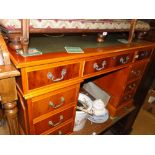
[[142, 55], [123, 59], [54, 121], [120, 109], [53, 101], [123, 108], [126, 97], [131, 87], [38, 78], [97, 65], [101, 64], [137, 71], [67, 129]]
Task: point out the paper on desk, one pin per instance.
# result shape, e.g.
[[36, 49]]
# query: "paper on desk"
[[70, 49], [124, 41]]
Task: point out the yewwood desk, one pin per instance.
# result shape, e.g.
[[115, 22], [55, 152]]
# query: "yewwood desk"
[[49, 84]]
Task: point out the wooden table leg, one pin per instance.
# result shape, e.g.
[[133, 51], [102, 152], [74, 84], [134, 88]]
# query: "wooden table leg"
[[8, 95], [8, 92], [12, 118]]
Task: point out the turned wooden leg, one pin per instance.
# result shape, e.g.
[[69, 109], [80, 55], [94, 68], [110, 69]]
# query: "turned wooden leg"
[[14, 42], [11, 110], [17, 42], [8, 97], [25, 43], [25, 34]]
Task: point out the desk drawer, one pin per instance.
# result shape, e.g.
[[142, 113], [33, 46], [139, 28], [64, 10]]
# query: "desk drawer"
[[123, 59], [126, 98], [120, 109], [54, 101], [54, 120], [142, 55], [131, 86], [124, 108], [46, 75], [137, 70], [98, 64], [101, 64], [66, 129]]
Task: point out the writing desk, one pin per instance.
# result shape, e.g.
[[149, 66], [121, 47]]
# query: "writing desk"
[[49, 84]]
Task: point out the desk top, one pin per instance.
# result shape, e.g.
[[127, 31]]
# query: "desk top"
[[54, 51], [56, 43]]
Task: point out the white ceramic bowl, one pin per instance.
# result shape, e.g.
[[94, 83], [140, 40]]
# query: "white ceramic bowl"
[[99, 119]]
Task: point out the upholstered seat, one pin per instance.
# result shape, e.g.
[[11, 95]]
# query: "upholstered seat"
[[100, 24], [17, 30]]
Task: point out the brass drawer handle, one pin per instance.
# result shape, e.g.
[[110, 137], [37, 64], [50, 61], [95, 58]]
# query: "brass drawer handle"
[[142, 55], [95, 66], [136, 72], [132, 86], [127, 97], [51, 76], [56, 124], [124, 60], [51, 104], [136, 56]]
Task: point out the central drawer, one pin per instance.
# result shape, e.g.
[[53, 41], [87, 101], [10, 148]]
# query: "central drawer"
[[51, 74], [54, 100], [54, 120], [97, 65]]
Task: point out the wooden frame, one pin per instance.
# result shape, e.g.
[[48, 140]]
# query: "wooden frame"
[[8, 93]]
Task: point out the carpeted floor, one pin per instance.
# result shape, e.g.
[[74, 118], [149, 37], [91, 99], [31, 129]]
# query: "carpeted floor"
[[144, 124]]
